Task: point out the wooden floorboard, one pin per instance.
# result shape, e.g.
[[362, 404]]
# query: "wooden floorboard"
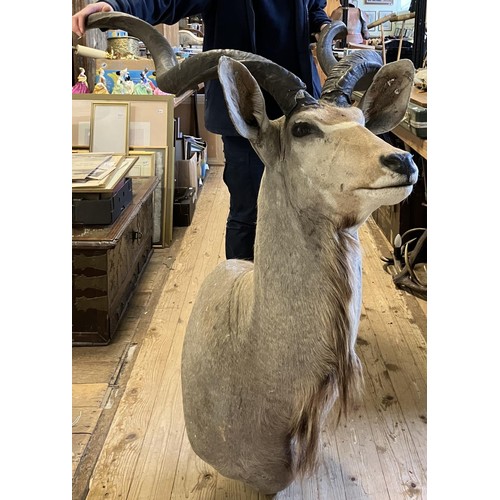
[[129, 440]]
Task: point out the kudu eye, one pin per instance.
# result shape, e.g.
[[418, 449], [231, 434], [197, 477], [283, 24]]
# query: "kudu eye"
[[301, 129]]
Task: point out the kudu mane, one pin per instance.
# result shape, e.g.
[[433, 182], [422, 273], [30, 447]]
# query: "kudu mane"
[[343, 376]]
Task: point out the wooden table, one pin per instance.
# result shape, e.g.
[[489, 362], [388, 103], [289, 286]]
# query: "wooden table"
[[418, 97], [416, 143]]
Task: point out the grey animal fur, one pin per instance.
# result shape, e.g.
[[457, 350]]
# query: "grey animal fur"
[[270, 345]]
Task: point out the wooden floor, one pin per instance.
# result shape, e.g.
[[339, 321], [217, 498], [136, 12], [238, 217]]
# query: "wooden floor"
[[129, 440]]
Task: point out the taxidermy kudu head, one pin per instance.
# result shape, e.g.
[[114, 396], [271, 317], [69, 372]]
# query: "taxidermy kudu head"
[[270, 345]]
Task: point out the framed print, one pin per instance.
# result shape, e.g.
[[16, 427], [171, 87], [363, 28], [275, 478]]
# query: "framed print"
[[145, 165], [384, 13], [80, 123], [408, 33], [119, 168], [371, 16], [84, 133], [90, 165], [109, 127]]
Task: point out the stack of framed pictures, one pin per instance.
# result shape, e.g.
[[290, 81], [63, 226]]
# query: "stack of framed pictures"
[[143, 127], [101, 190], [99, 173]]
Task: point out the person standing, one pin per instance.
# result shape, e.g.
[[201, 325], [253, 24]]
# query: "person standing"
[[279, 30], [357, 22]]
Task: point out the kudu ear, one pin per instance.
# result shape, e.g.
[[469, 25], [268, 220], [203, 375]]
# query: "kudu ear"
[[244, 99], [385, 102]]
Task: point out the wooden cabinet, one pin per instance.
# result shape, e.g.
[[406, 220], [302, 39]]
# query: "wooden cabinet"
[[107, 262]]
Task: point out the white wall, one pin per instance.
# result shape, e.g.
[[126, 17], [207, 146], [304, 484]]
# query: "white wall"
[[383, 10]]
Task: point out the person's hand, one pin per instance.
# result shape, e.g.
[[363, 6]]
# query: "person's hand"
[[80, 18], [323, 26]]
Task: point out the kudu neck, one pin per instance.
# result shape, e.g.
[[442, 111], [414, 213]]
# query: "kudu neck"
[[306, 283], [307, 275], [293, 245]]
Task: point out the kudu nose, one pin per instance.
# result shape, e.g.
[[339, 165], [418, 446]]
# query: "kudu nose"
[[401, 163]]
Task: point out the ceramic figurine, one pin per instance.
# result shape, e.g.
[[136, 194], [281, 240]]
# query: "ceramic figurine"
[[119, 82], [128, 84], [156, 90], [144, 86], [81, 87], [100, 86]]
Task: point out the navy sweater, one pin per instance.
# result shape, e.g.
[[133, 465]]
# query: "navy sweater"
[[279, 30]]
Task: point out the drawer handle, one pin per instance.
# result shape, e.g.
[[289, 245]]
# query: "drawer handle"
[[136, 235]]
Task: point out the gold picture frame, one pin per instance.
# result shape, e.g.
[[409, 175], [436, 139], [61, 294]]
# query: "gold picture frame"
[[109, 127]]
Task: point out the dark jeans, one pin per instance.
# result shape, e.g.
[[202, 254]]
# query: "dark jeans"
[[242, 174]]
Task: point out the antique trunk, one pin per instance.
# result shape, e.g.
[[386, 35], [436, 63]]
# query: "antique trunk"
[[107, 264]]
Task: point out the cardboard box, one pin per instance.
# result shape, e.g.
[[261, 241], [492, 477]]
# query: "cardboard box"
[[186, 173], [193, 123], [133, 66], [170, 32], [130, 64], [215, 148]]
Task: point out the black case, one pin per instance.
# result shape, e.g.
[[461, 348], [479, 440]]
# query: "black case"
[[102, 208], [415, 120], [184, 205]]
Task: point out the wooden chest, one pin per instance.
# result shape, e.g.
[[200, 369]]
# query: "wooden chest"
[[107, 264]]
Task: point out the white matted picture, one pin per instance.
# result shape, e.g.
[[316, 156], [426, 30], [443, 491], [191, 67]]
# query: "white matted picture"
[[145, 165], [83, 133], [109, 127], [371, 17], [384, 13]]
